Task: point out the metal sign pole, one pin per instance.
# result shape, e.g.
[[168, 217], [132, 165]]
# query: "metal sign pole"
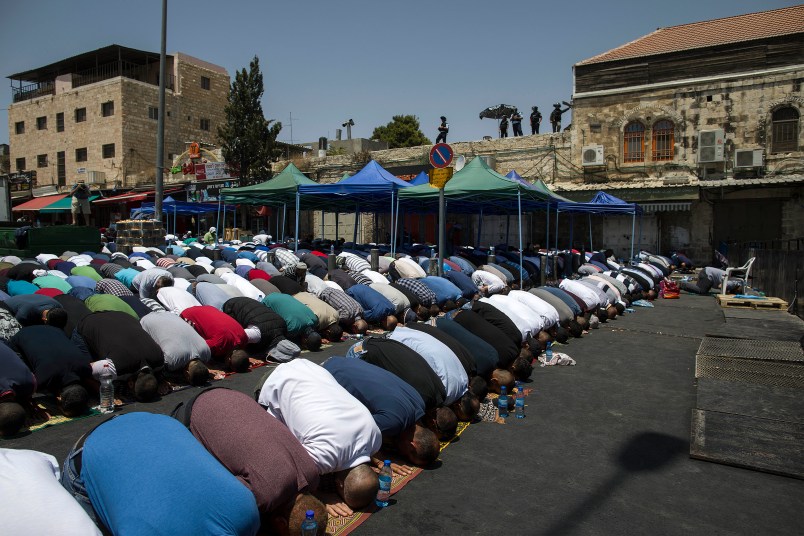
[[442, 231]]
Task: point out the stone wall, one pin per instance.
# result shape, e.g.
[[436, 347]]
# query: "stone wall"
[[741, 107], [130, 129], [91, 134]]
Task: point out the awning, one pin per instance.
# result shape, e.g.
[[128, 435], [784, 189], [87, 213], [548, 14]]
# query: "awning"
[[63, 205], [38, 203], [650, 208], [131, 197]]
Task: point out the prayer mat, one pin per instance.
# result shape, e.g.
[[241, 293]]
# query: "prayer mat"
[[47, 414], [341, 526]]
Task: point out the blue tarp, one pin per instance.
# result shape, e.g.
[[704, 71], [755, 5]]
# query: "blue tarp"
[[181, 207], [601, 203], [421, 178]]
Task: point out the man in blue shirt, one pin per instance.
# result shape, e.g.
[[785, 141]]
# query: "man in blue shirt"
[[443, 289], [163, 482], [467, 287], [377, 309], [395, 405]]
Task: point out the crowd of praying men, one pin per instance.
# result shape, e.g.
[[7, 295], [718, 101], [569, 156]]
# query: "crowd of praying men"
[[426, 352]]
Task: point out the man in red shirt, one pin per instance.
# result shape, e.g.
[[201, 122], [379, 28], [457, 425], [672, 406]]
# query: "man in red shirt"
[[224, 335]]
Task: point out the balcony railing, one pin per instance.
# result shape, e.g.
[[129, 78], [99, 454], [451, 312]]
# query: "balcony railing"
[[144, 73]]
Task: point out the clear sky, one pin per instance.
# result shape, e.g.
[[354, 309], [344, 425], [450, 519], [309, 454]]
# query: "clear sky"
[[326, 62]]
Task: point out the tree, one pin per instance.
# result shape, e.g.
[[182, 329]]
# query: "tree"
[[402, 131], [248, 140]]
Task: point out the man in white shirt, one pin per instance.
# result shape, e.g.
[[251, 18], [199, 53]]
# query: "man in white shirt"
[[528, 324], [547, 312], [408, 268], [175, 299], [487, 283], [447, 367], [337, 430], [242, 284], [584, 293], [30, 481]]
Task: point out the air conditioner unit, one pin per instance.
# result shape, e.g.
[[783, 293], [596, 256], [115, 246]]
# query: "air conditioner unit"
[[710, 145], [747, 158], [96, 177], [592, 155]]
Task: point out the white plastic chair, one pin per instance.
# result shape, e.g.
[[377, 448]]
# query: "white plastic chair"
[[740, 273]]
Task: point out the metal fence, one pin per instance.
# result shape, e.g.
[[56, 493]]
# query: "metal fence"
[[776, 272]]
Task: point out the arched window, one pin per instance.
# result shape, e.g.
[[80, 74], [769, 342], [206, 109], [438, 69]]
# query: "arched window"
[[634, 142], [662, 140], [784, 130]]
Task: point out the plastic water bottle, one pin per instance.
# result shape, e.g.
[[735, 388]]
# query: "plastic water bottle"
[[384, 493], [519, 404], [502, 402], [309, 527], [106, 390], [548, 352]]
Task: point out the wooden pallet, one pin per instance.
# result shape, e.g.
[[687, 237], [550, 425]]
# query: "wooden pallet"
[[748, 303]]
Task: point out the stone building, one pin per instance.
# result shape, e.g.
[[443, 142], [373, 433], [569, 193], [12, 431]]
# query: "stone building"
[[94, 116], [701, 124]]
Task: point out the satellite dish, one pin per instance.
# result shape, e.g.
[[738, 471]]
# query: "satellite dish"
[[460, 162]]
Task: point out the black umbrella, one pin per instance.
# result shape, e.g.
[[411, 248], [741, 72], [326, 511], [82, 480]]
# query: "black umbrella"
[[496, 112]]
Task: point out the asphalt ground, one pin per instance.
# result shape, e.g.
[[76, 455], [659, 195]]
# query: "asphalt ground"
[[604, 448]]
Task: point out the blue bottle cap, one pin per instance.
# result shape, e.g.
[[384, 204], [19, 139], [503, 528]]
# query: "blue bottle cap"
[[387, 462], [310, 514]]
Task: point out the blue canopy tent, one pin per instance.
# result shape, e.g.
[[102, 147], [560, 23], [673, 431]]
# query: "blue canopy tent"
[[421, 178], [601, 203], [372, 189], [184, 208]]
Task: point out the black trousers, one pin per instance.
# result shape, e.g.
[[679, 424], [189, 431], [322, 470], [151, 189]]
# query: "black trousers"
[[442, 137]]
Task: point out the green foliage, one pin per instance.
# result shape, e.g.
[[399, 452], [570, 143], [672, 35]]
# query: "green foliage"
[[336, 151], [402, 131], [247, 138]]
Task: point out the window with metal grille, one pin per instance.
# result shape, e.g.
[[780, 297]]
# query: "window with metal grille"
[[634, 142], [60, 122], [61, 168], [108, 150], [204, 124], [20, 164], [784, 130], [153, 113], [81, 154], [107, 108], [19, 127], [41, 123], [41, 160], [80, 115], [662, 140], [205, 83]]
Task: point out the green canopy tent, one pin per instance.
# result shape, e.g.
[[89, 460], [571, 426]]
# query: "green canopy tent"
[[278, 191], [478, 184]]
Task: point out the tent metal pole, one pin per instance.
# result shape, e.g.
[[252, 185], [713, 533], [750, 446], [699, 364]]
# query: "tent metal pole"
[[296, 232], [357, 222], [557, 211], [322, 223], [633, 228], [337, 219], [396, 228], [591, 248], [218, 217], [391, 222], [547, 227], [285, 216], [508, 227], [521, 268]]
